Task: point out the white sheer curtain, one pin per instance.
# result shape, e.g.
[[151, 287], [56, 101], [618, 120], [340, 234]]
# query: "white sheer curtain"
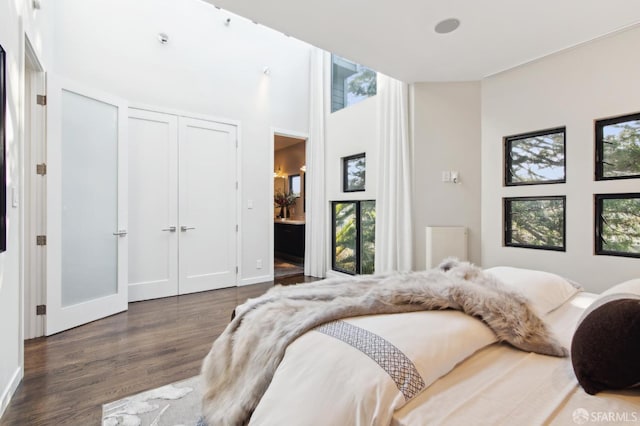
[[315, 255], [394, 235]]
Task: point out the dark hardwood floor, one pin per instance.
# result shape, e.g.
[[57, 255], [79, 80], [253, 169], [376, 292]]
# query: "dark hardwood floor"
[[70, 375]]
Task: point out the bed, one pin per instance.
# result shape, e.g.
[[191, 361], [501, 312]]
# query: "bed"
[[439, 367]]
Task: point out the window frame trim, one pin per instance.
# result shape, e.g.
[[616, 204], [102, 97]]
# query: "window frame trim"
[[507, 228], [345, 172], [599, 147], [358, 249], [598, 219], [507, 160]]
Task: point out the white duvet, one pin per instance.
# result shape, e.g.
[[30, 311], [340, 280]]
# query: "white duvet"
[[324, 380]]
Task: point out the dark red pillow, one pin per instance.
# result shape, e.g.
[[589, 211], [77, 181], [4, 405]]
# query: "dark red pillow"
[[605, 350]]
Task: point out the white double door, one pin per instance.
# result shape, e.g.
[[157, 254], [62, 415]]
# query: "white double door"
[[182, 205]]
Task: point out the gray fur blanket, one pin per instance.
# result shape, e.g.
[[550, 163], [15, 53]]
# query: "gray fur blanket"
[[243, 360]]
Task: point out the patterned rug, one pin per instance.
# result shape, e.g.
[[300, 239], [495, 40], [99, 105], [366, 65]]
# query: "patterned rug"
[[170, 405]]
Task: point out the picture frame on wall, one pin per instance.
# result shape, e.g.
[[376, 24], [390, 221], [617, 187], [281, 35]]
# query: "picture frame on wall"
[[3, 169], [354, 172]]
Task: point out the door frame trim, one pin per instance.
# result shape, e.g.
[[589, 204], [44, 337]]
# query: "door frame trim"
[[275, 131], [33, 222]]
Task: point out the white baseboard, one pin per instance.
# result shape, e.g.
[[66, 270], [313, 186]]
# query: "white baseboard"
[[8, 392], [255, 280]]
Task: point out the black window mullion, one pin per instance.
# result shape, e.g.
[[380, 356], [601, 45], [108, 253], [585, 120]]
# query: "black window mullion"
[[358, 235], [601, 244]]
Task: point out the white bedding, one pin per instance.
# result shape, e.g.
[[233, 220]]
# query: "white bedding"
[[503, 386], [323, 380]]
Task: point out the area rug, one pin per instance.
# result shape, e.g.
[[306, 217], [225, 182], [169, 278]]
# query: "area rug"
[[171, 405]]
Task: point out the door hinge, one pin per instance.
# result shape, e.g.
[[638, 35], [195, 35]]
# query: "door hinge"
[[237, 228], [41, 169], [41, 310], [236, 270], [41, 100], [236, 143], [41, 240], [236, 184]]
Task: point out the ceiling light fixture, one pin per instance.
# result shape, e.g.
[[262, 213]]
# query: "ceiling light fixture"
[[163, 38], [279, 173], [447, 26]]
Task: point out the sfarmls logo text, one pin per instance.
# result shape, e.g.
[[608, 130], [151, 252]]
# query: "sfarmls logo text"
[[582, 416]]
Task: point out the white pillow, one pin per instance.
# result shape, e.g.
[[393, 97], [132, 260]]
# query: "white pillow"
[[631, 287], [545, 291]]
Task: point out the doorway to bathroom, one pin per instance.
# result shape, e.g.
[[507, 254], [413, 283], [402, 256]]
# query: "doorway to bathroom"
[[289, 193]]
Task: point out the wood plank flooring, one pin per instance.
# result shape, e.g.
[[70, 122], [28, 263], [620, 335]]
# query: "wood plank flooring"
[[70, 375]]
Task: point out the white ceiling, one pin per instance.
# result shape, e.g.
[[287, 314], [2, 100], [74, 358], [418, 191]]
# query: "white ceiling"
[[282, 142], [398, 37]]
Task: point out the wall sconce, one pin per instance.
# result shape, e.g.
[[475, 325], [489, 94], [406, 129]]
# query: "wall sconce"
[[303, 168]]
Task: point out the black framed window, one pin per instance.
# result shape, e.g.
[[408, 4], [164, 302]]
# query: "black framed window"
[[618, 147], [3, 174], [535, 222], [353, 236], [618, 224], [350, 83], [354, 172], [535, 158]]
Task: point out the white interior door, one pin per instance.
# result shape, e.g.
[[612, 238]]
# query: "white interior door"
[[153, 205], [87, 206], [207, 205]]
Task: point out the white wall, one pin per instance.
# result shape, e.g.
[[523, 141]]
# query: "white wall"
[[445, 124], [207, 68], [571, 89], [352, 130], [16, 19]]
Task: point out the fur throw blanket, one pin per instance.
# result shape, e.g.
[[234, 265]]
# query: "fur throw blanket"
[[243, 360]]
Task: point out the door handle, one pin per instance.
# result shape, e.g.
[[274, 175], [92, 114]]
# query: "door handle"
[[185, 228], [170, 229], [120, 232]]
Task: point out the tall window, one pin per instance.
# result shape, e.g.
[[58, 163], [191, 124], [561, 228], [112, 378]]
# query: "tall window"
[[350, 83], [353, 236], [618, 224], [618, 147], [535, 222]]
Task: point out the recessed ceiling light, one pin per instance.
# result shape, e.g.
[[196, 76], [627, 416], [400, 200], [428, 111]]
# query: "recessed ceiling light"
[[163, 38], [447, 26]]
